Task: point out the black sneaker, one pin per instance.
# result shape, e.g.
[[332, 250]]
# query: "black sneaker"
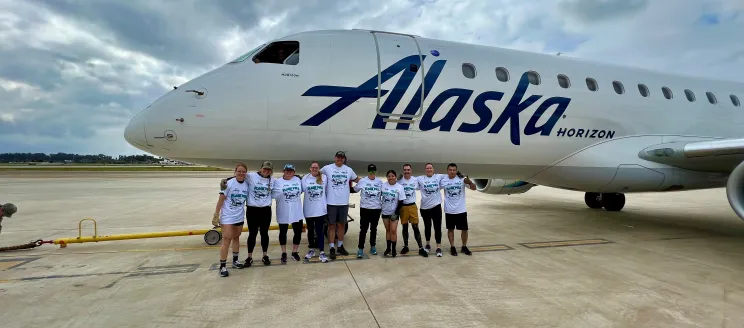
[[237, 265], [342, 250], [465, 250], [439, 252], [333, 253], [284, 257], [427, 248], [248, 262], [296, 256], [223, 272], [423, 253], [453, 251], [404, 250], [387, 252], [266, 260]]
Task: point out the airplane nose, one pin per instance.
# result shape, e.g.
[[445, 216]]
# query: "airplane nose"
[[134, 133]]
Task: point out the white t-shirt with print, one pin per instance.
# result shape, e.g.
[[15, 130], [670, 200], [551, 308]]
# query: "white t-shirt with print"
[[259, 190], [431, 194], [454, 195], [233, 209], [337, 190], [288, 200], [409, 186], [314, 202], [369, 193], [390, 197]]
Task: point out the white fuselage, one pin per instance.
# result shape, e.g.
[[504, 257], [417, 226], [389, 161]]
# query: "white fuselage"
[[579, 139]]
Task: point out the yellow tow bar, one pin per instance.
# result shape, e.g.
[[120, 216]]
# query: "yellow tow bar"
[[211, 236]]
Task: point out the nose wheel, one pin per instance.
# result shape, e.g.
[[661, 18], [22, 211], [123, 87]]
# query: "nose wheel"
[[610, 201]]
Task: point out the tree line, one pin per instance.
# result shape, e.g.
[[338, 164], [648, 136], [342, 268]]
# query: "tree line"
[[76, 158]]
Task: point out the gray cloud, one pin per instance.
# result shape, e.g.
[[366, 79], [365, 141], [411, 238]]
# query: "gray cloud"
[[72, 73]]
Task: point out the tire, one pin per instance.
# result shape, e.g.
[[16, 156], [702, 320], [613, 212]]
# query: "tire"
[[613, 202], [590, 198], [212, 237]]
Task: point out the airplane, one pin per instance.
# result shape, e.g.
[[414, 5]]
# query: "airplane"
[[509, 119]]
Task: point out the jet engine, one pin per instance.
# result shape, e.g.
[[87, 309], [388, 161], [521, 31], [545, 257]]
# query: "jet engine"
[[735, 190], [502, 186]]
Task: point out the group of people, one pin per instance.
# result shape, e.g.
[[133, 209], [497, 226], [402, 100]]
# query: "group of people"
[[248, 196]]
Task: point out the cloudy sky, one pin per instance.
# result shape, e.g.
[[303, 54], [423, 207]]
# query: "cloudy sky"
[[73, 72]]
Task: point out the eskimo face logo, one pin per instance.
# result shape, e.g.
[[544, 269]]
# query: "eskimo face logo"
[[516, 105]]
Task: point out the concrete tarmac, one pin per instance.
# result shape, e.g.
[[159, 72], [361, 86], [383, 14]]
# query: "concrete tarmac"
[[540, 259]]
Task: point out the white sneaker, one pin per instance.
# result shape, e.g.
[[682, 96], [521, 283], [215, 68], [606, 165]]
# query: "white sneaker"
[[310, 254], [323, 257]]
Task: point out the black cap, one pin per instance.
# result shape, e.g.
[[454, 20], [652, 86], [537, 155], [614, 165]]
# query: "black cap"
[[340, 154], [371, 168]]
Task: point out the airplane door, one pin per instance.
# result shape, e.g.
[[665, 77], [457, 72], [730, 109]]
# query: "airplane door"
[[399, 100]]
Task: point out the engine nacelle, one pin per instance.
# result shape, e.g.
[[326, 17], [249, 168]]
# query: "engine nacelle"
[[735, 190], [502, 186]]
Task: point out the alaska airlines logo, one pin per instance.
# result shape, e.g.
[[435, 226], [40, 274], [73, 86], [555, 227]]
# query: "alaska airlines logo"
[[517, 104]]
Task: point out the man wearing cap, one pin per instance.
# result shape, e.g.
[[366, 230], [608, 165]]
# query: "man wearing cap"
[[6, 210], [337, 197]]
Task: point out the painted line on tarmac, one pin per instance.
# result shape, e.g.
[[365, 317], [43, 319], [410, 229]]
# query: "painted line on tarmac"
[[565, 243]]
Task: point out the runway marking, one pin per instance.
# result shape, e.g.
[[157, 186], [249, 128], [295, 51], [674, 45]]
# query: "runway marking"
[[563, 243], [490, 248], [7, 264]]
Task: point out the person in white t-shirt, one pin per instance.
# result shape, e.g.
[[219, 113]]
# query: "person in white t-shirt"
[[431, 206], [392, 200], [258, 213], [315, 209], [455, 211], [231, 211], [409, 212], [338, 191], [287, 191], [370, 208]]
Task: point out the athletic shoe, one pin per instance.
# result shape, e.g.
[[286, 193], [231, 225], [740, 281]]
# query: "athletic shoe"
[[360, 253], [296, 256], [387, 252], [404, 250], [453, 251], [284, 257], [427, 248], [423, 253], [323, 257], [266, 260], [237, 265], [373, 250], [248, 262], [465, 250], [342, 251], [310, 254], [333, 253], [223, 272], [439, 252]]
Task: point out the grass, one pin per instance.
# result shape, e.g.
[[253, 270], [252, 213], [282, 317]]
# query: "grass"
[[114, 168]]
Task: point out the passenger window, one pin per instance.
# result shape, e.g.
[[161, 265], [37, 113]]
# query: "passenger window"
[[591, 84], [711, 98], [735, 100], [502, 74], [643, 89], [468, 70], [533, 77], [667, 92], [563, 81], [690, 95], [619, 89], [281, 52]]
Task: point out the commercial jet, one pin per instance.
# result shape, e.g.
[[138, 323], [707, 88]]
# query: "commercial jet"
[[510, 119]]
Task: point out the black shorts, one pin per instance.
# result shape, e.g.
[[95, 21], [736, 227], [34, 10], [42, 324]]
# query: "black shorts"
[[457, 221]]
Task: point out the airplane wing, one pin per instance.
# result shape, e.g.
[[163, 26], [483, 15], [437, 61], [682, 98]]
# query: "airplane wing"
[[721, 155]]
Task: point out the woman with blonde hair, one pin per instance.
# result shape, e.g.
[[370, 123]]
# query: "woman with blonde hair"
[[231, 211], [315, 209]]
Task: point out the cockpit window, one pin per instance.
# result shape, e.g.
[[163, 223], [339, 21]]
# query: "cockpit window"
[[281, 52], [247, 55]]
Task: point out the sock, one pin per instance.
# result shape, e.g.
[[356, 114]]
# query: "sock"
[[340, 243], [394, 242], [333, 245], [223, 263], [235, 256]]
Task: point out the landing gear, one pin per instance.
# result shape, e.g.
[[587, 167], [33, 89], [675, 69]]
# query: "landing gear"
[[610, 201]]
